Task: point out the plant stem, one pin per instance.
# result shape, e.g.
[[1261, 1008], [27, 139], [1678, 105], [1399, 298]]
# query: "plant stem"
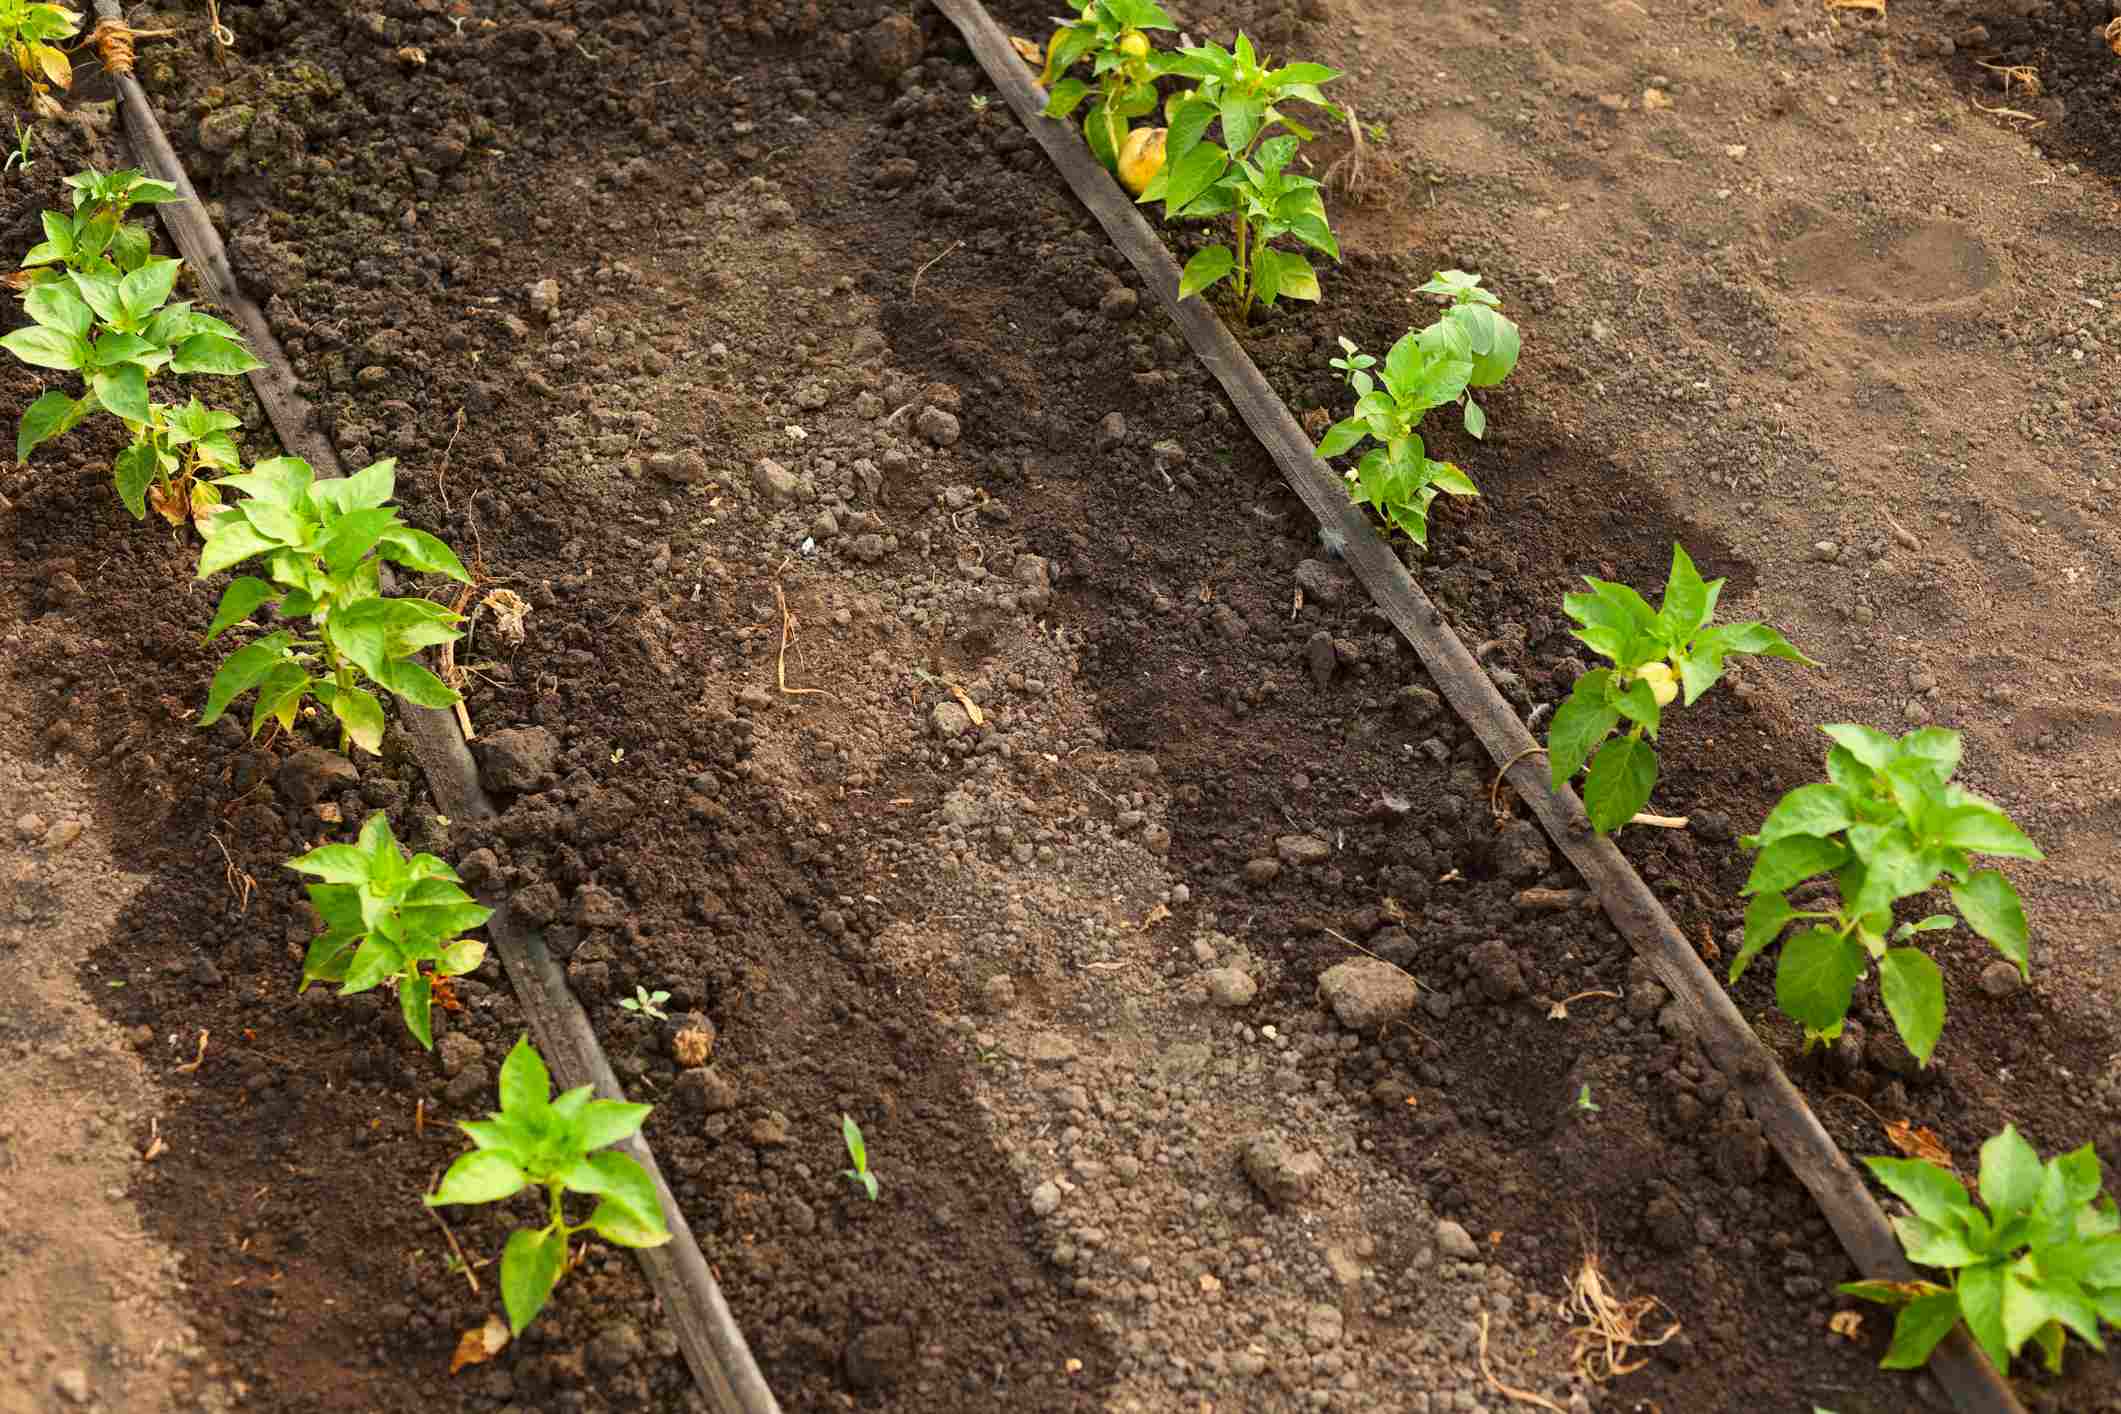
[[1244, 271]]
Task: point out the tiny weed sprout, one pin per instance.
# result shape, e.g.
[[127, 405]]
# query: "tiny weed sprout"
[[324, 543], [1108, 33], [1584, 1102], [537, 1141], [1469, 346], [1886, 825], [385, 916], [1246, 178], [1354, 362], [858, 1151], [1672, 652], [27, 32], [20, 156], [2042, 1263], [646, 1003]]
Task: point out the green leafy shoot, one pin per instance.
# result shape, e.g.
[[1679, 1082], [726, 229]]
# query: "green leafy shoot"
[[93, 237], [1675, 651], [1585, 1103], [1469, 346], [1353, 361], [389, 916], [646, 1003], [100, 308], [858, 1151], [1246, 177], [539, 1141], [1885, 825], [324, 544], [2042, 1263], [1108, 35]]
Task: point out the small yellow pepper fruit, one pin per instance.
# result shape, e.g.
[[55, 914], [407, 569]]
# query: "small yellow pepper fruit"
[[1141, 157], [1663, 685], [1134, 44]]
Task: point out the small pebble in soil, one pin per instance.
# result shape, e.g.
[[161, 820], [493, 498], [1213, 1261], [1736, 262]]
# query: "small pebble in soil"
[[1230, 986], [1455, 1242], [2001, 979]]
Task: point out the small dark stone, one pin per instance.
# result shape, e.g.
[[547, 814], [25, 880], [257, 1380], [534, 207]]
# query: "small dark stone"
[[313, 774], [517, 758], [878, 1356], [1495, 969]]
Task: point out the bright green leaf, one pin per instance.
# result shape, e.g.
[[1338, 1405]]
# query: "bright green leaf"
[[482, 1176], [1920, 1325], [1914, 995], [1622, 775], [1204, 269], [1991, 908], [530, 1267], [1816, 976]]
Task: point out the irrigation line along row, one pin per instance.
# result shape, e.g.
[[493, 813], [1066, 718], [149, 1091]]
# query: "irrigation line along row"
[[691, 1299], [1973, 1383]]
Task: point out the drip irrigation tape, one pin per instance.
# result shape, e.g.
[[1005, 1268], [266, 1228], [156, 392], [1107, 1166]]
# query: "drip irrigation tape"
[[691, 1299], [1973, 1383]]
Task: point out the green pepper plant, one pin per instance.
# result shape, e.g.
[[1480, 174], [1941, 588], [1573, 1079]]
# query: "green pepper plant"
[[100, 307], [1470, 346], [1673, 651], [538, 1141], [386, 914], [2042, 1263], [1886, 825], [324, 544], [1245, 177], [1110, 34]]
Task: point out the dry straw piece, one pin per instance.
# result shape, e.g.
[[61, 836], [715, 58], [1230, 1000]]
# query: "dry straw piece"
[[1362, 174], [1613, 1328]]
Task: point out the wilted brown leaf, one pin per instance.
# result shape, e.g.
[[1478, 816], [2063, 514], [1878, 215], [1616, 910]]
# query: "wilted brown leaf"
[[692, 1046], [477, 1346], [1918, 1143], [1846, 1324], [1028, 52]]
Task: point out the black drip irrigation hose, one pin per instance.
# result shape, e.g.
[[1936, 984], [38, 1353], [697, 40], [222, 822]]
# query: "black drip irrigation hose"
[[1972, 1382], [691, 1300]]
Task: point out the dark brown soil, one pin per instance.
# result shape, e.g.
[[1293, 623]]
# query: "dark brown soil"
[[742, 180]]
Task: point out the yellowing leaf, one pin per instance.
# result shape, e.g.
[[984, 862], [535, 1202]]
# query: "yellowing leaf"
[[1027, 51], [972, 710], [1846, 1324], [477, 1346], [54, 63]]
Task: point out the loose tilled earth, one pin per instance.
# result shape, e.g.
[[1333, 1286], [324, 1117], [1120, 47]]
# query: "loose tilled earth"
[[787, 384]]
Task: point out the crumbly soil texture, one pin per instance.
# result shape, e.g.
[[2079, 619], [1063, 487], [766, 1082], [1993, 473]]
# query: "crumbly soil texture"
[[929, 687]]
